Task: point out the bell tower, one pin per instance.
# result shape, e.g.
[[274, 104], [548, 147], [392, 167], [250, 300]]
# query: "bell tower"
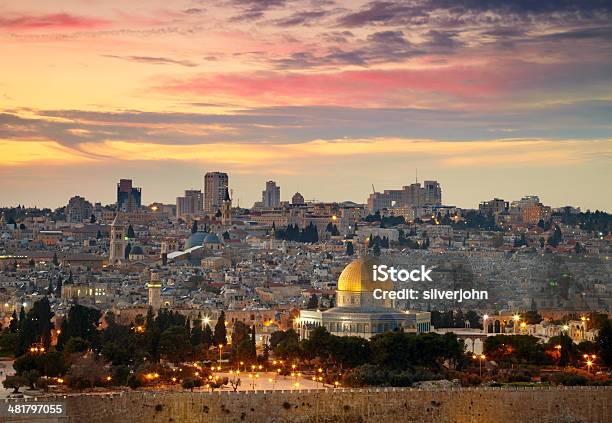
[[117, 240], [226, 209]]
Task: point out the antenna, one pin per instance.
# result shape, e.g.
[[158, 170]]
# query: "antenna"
[[373, 189], [416, 175]]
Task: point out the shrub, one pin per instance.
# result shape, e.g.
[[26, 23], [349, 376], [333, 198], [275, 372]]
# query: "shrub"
[[14, 383], [565, 379]]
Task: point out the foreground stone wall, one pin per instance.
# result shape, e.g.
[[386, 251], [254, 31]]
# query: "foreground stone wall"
[[390, 405]]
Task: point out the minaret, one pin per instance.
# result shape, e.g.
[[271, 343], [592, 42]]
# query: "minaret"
[[154, 287], [226, 209], [117, 240]]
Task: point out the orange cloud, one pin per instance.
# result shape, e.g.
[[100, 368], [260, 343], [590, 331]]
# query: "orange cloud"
[[56, 21]]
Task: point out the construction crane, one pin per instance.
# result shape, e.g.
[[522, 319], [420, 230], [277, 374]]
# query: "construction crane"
[[373, 189]]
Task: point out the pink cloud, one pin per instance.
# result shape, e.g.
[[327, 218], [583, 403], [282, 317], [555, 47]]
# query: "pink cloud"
[[51, 21], [368, 87]]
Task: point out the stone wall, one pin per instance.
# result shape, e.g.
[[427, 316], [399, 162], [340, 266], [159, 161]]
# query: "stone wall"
[[386, 405]]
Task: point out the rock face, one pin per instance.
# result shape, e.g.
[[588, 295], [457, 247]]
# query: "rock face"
[[456, 405]]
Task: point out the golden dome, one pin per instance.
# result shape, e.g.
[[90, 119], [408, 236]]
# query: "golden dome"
[[357, 277]]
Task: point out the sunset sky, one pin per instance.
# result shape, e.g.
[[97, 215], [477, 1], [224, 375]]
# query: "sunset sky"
[[499, 98]]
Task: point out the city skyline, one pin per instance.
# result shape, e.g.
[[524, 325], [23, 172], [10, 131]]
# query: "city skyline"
[[491, 99], [286, 197]]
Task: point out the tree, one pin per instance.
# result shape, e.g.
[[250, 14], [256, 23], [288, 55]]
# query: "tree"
[[128, 249], [253, 342], [86, 371], [52, 364], [14, 324], [174, 344], [285, 344], [313, 302], [515, 349], [190, 383], [14, 383], [32, 377], [197, 334], [207, 336], [376, 250], [241, 331], [81, 322], [604, 342], [76, 345], [556, 238], [8, 343], [55, 260], [350, 250], [35, 328], [564, 347], [244, 351], [99, 235], [532, 317], [92, 219], [130, 232], [194, 227], [220, 337]]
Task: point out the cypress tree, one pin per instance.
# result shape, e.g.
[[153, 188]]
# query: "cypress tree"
[[220, 337]]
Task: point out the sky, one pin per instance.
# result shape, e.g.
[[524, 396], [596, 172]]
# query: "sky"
[[492, 98]]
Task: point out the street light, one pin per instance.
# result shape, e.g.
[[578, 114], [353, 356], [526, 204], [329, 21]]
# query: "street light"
[[590, 359], [480, 358], [516, 318]]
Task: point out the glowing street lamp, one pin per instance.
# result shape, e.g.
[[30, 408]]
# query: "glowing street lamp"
[[480, 359], [590, 359]]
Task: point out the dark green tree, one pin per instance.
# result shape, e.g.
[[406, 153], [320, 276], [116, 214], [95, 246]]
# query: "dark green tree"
[[220, 337], [350, 250], [207, 336], [313, 302], [130, 232], [14, 324], [174, 344], [604, 342], [194, 227]]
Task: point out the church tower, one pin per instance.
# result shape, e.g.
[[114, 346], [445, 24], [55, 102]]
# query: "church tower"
[[117, 240], [226, 209]]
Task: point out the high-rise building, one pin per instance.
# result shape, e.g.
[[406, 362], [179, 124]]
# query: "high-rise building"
[[432, 193], [191, 204], [78, 210], [270, 197], [413, 195], [129, 198], [494, 206], [215, 185], [530, 209]]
